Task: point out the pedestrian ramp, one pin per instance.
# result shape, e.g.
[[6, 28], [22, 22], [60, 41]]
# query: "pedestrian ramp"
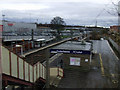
[[56, 75]]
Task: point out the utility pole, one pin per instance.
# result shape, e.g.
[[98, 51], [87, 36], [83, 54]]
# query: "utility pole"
[[32, 37], [119, 35], [3, 22], [3, 17], [119, 17], [71, 34], [37, 21], [96, 24], [32, 33], [47, 69]]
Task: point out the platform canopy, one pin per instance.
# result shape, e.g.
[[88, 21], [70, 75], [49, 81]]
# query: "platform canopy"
[[73, 47]]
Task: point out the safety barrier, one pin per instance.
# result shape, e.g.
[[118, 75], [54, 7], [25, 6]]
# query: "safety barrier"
[[115, 45], [60, 72], [15, 66], [48, 46], [56, 71]]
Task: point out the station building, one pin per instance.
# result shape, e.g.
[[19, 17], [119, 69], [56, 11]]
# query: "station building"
[[19, 27], [114, 29], [75, 54]]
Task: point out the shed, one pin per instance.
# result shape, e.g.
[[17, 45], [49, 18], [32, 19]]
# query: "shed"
[[75, 54]]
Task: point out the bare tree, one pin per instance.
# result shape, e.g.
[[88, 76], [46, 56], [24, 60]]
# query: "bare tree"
[[57, 23]]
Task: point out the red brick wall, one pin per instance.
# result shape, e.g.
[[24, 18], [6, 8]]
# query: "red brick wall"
[[114, 29]]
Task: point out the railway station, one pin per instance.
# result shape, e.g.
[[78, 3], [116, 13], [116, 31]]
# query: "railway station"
[[52, 45]]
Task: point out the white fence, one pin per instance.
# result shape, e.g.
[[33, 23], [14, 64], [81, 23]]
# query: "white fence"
[[15, 66]]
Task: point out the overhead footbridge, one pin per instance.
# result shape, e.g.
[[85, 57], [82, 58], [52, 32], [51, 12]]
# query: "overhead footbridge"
[[16, 71]]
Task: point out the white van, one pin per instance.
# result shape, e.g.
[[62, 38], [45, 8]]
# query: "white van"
[[101, 38]]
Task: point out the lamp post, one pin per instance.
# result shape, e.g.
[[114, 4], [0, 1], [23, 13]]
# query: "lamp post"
[[47, 69], [3, 21], [3, 17], [118, 45], [32, 37], [16, 43]]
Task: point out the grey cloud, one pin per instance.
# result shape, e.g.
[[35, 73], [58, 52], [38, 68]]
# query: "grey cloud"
[[81, 13]]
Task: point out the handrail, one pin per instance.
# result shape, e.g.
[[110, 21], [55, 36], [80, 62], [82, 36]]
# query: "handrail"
[[48, 46], [60, 72]]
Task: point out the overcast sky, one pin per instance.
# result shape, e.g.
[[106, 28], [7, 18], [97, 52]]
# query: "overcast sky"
[[74, 12]]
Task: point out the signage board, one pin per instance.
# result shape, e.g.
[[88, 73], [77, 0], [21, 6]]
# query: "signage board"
[[75, 61], [69, 51]]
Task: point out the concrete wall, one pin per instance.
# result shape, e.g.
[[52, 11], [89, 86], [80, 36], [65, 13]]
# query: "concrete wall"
[[55, 72], [115, 45]]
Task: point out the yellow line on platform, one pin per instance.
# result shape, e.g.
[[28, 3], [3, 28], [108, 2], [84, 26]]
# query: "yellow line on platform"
[[101, 63]]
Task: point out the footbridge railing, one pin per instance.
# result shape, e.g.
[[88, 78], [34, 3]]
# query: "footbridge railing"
[[15, 66]]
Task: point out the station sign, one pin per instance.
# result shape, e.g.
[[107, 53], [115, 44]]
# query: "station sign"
[[69, 51]]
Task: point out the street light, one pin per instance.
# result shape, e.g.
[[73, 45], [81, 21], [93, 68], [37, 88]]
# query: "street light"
[[3, 20], [47, 69], [3, 17], [16, 42]]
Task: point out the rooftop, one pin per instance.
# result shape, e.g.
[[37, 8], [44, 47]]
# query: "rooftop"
[[73, 45]]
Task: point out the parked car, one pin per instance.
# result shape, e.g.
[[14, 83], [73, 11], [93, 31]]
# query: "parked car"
[[101, 38]]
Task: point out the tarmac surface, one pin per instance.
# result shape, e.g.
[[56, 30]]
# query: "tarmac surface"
[[109, 59], [78, 78]]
